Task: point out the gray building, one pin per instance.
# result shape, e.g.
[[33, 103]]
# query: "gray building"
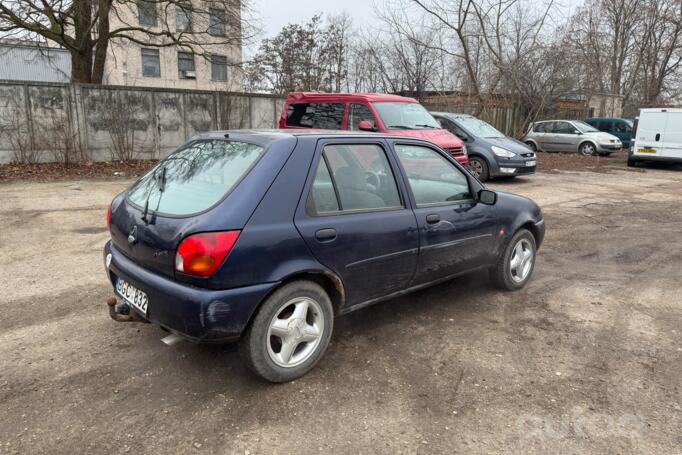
[[20, 62]]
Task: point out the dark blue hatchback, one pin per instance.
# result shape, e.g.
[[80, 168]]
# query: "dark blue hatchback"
[[266, 236]]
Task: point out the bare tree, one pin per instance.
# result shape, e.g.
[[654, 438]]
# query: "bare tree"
[[310, 56], [86, 27]]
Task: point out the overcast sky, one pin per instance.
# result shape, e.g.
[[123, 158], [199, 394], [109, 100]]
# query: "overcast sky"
[[274, 14]]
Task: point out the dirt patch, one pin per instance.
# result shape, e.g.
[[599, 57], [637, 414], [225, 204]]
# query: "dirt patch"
[[46, 172], [556, 162], [547, 162], [585, 359]]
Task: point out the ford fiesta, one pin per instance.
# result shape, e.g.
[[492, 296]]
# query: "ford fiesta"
[[267, 236]]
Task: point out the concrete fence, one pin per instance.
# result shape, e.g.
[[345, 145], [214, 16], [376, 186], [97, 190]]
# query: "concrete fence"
[[72, 122]]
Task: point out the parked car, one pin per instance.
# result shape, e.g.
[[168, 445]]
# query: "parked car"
[[657, 136], [619, 127], [389, 114], [266, 237], [491, 153], [570, 136]]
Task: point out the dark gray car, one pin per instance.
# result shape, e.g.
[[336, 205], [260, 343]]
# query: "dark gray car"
[[491, 153]]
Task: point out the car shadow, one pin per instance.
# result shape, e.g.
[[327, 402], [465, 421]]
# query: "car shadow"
[[660, 166], [461, 296]]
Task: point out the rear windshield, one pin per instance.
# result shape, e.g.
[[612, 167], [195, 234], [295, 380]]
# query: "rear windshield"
[[194, 178]]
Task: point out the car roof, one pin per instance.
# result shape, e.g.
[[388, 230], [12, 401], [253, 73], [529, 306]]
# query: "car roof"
[[265, 136], [347, 97], [452, 114], [606, 118]]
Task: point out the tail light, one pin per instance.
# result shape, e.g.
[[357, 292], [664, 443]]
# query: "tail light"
[[109, 218], [202, 254]]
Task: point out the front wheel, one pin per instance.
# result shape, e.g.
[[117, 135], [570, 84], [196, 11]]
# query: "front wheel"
[[290, 332], [479, 167], [516, 263], [588, 149]]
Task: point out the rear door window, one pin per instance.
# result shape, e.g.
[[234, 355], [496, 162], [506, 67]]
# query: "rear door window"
[[545, 127], [326, 116], [195, 178], [352, 177]]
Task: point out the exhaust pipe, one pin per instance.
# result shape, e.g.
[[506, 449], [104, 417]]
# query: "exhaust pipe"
[[122, 313]]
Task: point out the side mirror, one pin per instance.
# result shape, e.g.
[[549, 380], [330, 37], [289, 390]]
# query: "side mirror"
[[463, 137], [577, 132], [366, 125], [487, 197]]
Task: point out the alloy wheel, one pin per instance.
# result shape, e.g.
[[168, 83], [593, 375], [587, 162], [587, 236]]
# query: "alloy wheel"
[[521, 261], [295, 332], [588, 149], [476, 167]]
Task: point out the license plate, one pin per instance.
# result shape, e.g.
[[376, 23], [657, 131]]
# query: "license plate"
[[531, 163], [647, 150], [132, 295]]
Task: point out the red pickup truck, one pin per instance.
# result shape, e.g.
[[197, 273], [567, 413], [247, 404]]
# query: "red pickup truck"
[[390, 114]]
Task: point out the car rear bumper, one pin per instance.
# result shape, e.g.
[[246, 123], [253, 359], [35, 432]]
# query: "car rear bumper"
[[198, 314]]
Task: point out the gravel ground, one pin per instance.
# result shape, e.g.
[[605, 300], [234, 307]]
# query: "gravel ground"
[[586, 359]]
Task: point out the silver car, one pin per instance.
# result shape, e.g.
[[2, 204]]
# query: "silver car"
[[570, 136]]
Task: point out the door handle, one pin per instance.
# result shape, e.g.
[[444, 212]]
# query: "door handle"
[[326, 235], [433, 218]]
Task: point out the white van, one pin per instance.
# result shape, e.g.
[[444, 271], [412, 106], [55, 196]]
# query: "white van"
[[657, 136]]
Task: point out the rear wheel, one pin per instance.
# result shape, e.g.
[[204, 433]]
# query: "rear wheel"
[[479, 167], [290, 332], [516, 263], [587, 149]]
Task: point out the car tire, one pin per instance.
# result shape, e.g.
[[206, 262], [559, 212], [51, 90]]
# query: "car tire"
[[532, 146], [479, 167], [281, 344], [632, 163], [587, 149], [508, 274]]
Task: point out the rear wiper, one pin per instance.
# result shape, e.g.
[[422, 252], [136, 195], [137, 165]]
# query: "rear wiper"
[[400, 127], [146, 201], [162, 187]]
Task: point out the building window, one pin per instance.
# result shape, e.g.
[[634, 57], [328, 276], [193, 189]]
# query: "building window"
[[218, 67], [151, 65], [183, 19], [186, 69], [216, 22], [146, 13]]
